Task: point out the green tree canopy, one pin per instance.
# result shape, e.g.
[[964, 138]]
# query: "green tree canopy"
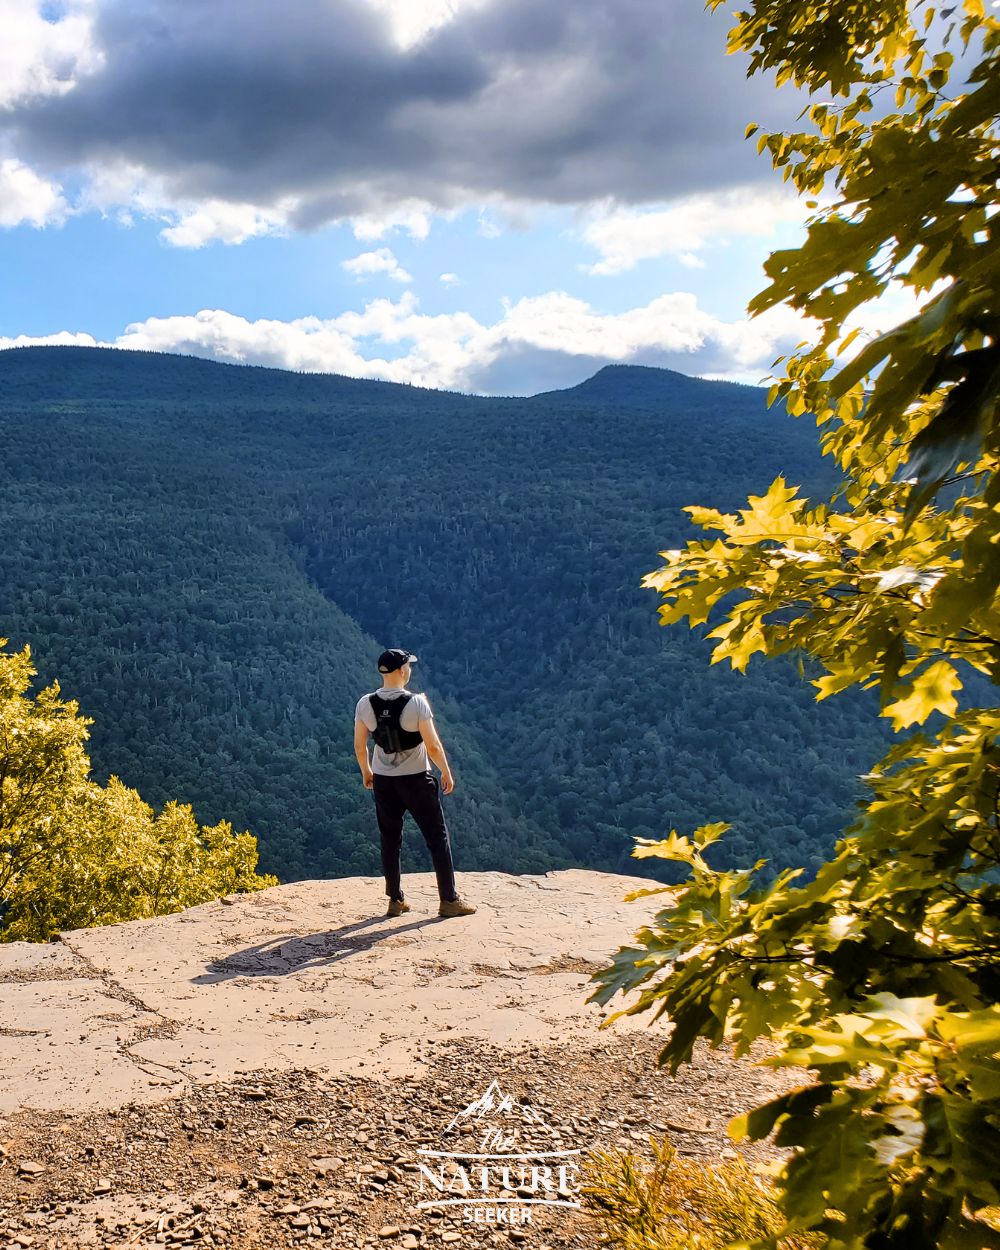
[[881, 976], [74, 854]]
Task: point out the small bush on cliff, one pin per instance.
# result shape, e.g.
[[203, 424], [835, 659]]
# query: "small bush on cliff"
[[74, 854], [668, 1203]]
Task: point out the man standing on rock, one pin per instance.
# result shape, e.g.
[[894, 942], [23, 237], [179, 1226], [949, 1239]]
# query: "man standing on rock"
[[401, 779]]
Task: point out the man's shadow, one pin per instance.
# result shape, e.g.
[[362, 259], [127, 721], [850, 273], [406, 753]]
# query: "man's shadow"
[[282, 956]]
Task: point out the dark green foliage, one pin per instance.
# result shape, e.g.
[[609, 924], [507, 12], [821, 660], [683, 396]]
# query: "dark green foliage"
[[211, 557]]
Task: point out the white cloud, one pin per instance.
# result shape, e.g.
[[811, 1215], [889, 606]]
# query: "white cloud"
[[626, 236], [308, 344], [223, 113], [119, 188], [413, 217], [65, 338], [40, 57], [27, 199], [536, 344], [217, 220], [122, 190], [380, 261], [450, 279]]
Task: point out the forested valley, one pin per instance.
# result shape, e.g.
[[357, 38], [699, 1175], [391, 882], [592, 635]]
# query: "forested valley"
[[210, 557]]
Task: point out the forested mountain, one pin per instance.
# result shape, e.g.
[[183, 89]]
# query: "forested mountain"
[[210, 557]]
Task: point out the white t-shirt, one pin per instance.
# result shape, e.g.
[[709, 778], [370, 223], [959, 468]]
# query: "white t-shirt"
[[402, 762]]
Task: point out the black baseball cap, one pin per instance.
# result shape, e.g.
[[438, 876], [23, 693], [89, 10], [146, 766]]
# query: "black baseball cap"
[[394, 658]]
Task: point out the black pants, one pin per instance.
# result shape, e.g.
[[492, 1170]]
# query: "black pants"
[[418, 794]]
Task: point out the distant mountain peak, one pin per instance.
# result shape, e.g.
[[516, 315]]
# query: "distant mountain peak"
[[644, 385], [620, 372]]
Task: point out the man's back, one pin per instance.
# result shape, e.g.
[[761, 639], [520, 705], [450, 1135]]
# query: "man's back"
[[416, 711]]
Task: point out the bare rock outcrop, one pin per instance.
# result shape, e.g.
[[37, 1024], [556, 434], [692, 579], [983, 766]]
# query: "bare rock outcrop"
[[311, 974], [289, 1067]]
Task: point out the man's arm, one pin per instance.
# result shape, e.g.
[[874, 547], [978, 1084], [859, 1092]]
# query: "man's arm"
[[435, 749], [361, 732]]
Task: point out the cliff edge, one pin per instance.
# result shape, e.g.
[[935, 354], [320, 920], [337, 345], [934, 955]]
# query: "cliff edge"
[[273, 1069]]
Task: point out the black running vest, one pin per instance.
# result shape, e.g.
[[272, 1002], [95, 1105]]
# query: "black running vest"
[[389, 733]]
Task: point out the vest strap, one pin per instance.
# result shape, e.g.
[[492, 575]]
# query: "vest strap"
[[408, 738]]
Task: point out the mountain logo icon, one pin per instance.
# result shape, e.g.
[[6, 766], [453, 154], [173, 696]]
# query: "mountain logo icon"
[[499, 1181], [492, 1103]]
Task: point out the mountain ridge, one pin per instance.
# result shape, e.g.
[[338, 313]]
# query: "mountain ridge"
[[209, 559], [612, 379]]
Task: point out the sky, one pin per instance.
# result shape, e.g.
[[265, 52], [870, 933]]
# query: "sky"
[[493, 196]]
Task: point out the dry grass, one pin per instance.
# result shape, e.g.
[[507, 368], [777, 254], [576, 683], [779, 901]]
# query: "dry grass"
[[670, 1203]]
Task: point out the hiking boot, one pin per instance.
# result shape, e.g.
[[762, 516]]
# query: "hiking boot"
[[455, 907], [397, 907]]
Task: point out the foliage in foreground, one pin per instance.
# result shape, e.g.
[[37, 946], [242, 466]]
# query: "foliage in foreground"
[[881, 976], [74, 854], [669, 1203]]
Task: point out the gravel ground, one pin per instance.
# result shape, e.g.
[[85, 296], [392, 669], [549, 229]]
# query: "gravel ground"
[[277, 1159]]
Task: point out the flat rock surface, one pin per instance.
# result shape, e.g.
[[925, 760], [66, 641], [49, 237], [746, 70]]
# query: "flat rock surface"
[[307, 974], [266, 1071]]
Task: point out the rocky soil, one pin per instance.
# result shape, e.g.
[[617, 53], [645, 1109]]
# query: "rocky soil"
[[279, 1069], [286, 1158]]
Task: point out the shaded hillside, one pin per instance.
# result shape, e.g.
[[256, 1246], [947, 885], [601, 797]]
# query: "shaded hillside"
[[210, 557]]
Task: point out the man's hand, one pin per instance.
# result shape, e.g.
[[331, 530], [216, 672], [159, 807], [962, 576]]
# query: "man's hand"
[[361, 732], [435, 749]]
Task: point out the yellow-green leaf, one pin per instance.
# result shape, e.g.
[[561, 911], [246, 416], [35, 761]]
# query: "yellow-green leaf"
[[932, 691]]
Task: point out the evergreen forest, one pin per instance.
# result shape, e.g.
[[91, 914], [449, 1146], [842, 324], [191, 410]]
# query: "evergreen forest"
[[210, 557]]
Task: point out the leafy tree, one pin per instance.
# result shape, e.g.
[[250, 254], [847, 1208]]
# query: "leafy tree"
[[74, 854], [42, 765], [881, 976]]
